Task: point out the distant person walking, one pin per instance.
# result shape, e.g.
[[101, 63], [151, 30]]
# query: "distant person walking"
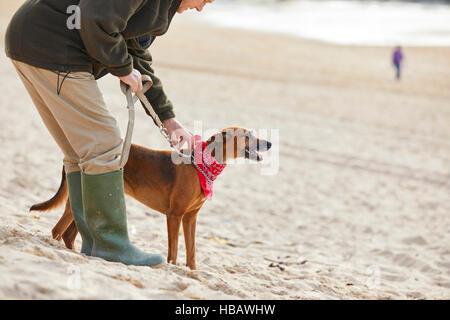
[[397, 59]]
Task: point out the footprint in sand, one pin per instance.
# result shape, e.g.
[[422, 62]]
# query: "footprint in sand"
[[415, 240], [134, 282]]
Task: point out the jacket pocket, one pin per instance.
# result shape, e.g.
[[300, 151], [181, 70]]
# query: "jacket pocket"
[[81, 76], [75, 75]]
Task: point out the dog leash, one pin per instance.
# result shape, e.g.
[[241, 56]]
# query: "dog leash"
[[165, 134], [131, 100]]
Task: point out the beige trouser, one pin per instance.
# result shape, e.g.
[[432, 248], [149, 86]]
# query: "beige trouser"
[[77, 118]]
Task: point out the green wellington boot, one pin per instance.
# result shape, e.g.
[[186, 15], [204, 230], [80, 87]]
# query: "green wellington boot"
[[76, 204], [104, 209]]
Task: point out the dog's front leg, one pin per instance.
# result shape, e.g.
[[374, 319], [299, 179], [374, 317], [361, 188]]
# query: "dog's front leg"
[[189, 226], [173, 228]]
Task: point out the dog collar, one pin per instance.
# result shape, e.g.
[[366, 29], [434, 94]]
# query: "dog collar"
[[208, 168]]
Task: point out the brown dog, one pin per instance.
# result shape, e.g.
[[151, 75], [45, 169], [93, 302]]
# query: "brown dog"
[[152, 178]]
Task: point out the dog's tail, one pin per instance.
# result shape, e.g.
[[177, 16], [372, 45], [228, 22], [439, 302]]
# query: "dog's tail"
[[58, 199]]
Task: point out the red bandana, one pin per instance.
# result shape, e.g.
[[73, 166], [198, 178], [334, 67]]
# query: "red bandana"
[[208, 164]]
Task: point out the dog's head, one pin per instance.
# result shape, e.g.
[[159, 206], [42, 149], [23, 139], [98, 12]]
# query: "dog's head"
[[237, 142]]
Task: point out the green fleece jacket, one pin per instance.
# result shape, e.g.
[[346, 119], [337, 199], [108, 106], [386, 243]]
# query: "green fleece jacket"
[[105, 42]]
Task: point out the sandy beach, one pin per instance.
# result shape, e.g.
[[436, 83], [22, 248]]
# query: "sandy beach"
[[358, 208]]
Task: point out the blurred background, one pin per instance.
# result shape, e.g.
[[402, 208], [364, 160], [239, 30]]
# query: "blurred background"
[[365, 22]]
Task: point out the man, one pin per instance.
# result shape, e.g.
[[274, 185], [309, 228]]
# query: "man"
[[59, 65]]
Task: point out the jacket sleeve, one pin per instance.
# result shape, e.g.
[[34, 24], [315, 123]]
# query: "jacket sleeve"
[[142, 60], [101, 25]]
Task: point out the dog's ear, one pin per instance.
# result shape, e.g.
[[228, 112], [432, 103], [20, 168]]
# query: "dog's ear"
[[211, 143], [227, 134], [220, 137], [211, 139]]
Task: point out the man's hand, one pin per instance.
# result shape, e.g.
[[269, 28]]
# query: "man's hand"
[[178, 134], [134, 80]]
